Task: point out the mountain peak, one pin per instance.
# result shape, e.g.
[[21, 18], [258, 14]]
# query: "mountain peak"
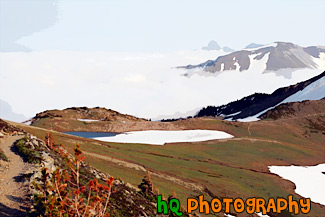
[[213, 45]]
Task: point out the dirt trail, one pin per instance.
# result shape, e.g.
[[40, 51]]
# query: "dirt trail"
[[13, 191]]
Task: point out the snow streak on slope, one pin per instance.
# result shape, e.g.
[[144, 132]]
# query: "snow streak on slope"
[[320, 61], [258, 65]]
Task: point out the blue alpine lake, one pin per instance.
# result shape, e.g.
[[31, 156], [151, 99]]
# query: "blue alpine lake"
[[91, 135]]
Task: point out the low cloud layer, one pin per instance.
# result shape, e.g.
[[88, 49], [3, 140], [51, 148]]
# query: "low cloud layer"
[[143, 84]]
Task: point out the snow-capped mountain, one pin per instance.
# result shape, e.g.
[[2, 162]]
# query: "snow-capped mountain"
[[251, 107], [272, 57]]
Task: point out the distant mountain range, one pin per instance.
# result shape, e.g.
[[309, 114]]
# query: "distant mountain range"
[[272, 57], [213, 45], [250, 108]]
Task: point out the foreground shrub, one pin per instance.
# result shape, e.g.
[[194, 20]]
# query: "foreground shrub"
[[64, 195], [29, 154], [146, 187]]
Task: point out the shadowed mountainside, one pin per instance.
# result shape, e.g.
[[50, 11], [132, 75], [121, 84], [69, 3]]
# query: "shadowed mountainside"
[[256, 103]]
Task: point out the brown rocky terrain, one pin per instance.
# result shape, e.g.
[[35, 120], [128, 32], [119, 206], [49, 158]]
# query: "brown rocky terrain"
[[101, 120], [294, 109], [309, 115]]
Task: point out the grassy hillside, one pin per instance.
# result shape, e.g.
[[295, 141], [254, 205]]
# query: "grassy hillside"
[[235, 167]]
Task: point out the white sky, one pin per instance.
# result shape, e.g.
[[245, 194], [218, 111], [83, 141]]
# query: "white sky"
[[168, 25]]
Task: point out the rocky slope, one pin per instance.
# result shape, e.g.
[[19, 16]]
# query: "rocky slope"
[[308, 117], [8, 129], [97, 113], [259, 102], [294, 109]]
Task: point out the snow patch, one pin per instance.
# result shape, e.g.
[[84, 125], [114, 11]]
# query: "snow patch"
[[249, 119], [258, 65], [160, 137], [255, 117], [320, 61], [222, 67], [87, 120], [233, 114], [237, 66], [309, 180]]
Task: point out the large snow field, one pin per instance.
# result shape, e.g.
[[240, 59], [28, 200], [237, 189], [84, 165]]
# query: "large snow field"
[[160, 137]]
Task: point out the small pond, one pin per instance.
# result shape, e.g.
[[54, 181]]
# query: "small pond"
[[91, 135]]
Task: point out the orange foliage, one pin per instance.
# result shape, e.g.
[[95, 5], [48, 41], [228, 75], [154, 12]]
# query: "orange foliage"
[[63, 195]]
